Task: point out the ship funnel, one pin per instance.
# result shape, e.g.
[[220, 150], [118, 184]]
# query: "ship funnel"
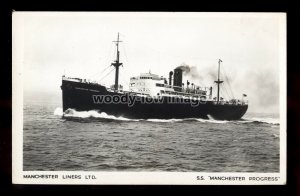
[[177, 79], [170, 78]]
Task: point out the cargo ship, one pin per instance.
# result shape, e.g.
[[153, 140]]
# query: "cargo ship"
[[151, 96]]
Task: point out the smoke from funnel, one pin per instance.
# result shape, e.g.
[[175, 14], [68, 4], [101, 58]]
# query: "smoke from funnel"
[[190, 71], [184, 67], [262, 97]]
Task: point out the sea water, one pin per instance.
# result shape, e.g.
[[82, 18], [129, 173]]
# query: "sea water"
[[95, 141]]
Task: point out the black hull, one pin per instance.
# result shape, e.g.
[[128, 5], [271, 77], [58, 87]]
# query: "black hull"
[[79, 96]]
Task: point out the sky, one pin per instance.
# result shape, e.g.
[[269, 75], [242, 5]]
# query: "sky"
[[79, 44]]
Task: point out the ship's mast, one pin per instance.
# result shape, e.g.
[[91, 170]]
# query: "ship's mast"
[[219, 81], [117, 64]]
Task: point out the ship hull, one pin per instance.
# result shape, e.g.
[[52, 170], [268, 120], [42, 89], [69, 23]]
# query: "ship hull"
[[79, 96]]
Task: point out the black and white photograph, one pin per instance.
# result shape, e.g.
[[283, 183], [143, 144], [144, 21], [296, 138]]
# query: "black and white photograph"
[[149, 98]]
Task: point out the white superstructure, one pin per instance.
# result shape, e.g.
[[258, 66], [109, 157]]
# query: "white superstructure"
[[149, 84]]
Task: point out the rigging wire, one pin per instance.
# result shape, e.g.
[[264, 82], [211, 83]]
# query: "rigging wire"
[[106, 59], [123, 80], [106, 74], [128, 65], [227, 94], [126, 58], [100, 72], [224, 85], [227, 81], [225, 88], [230, 89], [215, 86]]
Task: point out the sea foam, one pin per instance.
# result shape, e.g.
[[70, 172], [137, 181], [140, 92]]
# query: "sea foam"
[[96, 114]]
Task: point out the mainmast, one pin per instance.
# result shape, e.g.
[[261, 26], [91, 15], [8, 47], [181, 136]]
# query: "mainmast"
[[219, 81], [117, 64]]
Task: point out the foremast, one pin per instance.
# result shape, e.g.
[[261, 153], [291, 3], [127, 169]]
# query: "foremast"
[[117, 64]]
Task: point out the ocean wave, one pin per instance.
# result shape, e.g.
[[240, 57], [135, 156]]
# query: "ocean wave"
[[165, 120], [273, 121], [102, 115], [187, 119], [212, 121], [58, 112], [71, 113], [276, 136]]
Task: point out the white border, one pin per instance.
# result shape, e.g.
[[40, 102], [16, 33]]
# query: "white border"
[[17, 96], [174, 178]]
